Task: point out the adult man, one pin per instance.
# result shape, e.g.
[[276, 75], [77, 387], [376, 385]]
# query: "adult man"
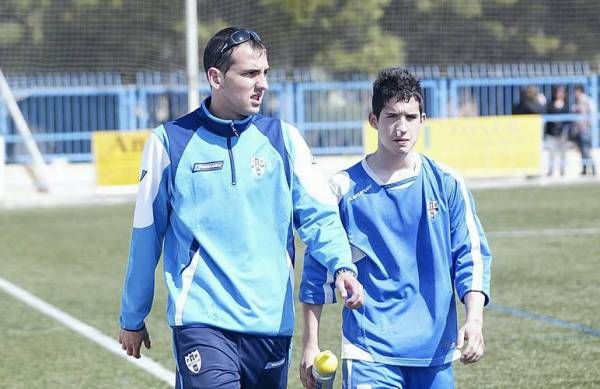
[[222, 188], [416, 240]]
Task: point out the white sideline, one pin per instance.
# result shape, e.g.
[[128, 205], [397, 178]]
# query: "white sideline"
[[87, 331], [545, 232]]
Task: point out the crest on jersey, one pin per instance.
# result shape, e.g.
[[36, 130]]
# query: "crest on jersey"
[[193, 361], [258, 166], [432, 208]]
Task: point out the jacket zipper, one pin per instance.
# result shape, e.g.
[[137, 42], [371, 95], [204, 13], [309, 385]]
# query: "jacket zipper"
[[231, 161]]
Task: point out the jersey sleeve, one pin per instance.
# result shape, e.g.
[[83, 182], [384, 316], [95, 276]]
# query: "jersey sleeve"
[[470, 250], [317, 285], [316, 215], [149, 226]]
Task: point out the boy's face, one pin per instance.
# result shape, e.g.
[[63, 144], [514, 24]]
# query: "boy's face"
[[398, 125]]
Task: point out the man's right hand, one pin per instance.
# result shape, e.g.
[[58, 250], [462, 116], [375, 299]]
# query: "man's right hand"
[[131, 341], [351, 290]]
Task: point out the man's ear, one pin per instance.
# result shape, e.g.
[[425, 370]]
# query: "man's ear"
[[423, 117], [373, 120], [215, 78]]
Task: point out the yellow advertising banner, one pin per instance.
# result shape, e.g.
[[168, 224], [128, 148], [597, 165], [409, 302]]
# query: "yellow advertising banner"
[[118, 155], [489, 146]]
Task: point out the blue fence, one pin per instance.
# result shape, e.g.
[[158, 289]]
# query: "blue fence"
[[329, 114]]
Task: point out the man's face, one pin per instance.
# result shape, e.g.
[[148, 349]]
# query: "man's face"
[[244, 84], [398, 126]]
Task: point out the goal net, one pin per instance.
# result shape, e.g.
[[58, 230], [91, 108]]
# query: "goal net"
[[352, 36]]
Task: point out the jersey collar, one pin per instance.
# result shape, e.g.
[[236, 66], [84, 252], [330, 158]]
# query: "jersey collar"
[[222, 127]]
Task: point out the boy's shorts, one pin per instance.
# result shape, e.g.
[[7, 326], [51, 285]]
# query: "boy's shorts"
[[372, 375]]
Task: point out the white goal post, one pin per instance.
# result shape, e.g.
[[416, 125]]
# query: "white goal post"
[[38, 165]]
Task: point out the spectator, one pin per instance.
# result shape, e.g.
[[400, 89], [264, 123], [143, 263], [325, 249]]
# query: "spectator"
[[531, 101], [555, 132], [582, 129], [468, 107]]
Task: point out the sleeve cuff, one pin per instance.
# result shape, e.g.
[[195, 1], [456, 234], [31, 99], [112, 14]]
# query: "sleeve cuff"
[[131, 326], [487, 298]]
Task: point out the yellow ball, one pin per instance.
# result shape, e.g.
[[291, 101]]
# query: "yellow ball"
[[326, 362]]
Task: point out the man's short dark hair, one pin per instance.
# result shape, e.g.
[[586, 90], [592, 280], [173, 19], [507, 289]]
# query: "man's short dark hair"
[[222, 61], [396, 83], [580, 88]]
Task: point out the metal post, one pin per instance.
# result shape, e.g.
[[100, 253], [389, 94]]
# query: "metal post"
[[191, 17]]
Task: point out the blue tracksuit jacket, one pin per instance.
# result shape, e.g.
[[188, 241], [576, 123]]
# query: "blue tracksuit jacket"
[[219, 199]]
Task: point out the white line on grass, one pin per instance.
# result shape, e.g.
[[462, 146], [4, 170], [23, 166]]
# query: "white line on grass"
[[544, 232], [87, 331], [517, 312]]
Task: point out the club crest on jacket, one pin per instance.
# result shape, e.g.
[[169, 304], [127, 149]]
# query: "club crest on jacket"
[[258, 166], [432, 208]]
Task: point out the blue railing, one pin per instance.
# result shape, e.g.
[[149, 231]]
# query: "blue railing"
[[62, 119], [329, 114]]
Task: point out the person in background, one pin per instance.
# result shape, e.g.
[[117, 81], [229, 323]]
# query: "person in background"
[[582, 133], [221, 190], [555, 132], [417, 243], [531, 101]]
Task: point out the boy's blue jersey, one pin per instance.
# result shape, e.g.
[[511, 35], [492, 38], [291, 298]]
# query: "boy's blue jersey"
[[416, 242], [219, 199]]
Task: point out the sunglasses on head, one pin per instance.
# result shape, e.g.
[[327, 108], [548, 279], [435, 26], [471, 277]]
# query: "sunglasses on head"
[[237, 38]]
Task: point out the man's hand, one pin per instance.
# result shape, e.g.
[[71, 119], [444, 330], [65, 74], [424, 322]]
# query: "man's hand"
[[131, 341], [306, 364], [350, 289]]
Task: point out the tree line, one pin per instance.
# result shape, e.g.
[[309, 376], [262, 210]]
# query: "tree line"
[[334, 35]]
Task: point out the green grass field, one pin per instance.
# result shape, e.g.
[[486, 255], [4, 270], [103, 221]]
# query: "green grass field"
[[74, 258]]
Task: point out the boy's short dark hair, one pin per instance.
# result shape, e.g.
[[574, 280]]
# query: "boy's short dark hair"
[[396, 83], [213, 57]]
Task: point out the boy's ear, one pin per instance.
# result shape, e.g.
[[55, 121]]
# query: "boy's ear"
[[373, 120]]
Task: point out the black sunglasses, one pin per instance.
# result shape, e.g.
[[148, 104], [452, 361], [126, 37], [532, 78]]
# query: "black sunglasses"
[[237, 38]]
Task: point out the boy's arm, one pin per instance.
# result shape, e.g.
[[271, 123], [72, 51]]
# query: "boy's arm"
[[310, 342], [472, 331], [472, 263]]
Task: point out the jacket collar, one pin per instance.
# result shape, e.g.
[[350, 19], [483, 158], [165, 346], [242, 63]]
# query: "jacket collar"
[[221, 127]]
